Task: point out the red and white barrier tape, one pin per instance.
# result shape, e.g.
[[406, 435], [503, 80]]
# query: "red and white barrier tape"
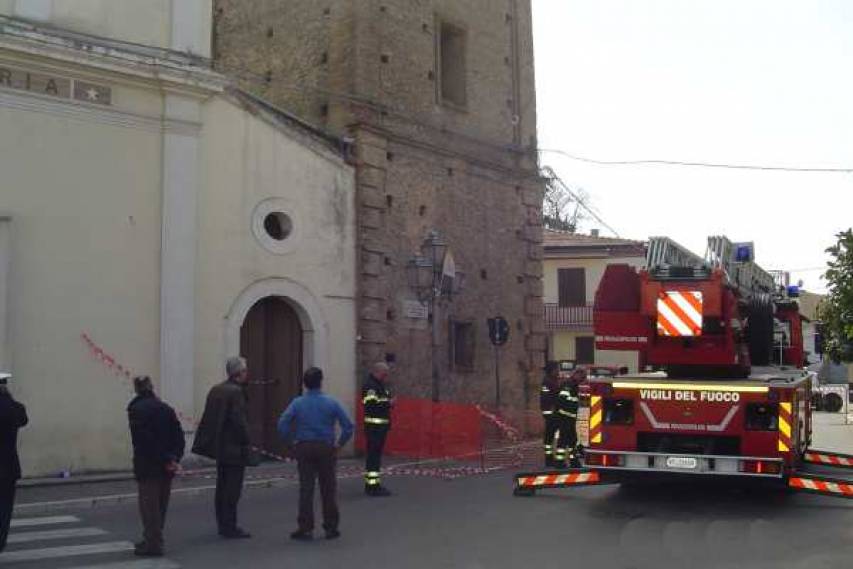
[[508, 431]]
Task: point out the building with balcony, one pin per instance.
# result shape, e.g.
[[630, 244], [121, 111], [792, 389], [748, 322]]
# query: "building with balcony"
[[572, 269]]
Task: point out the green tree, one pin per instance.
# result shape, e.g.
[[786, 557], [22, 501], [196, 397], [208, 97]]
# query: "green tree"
[[836, 312]]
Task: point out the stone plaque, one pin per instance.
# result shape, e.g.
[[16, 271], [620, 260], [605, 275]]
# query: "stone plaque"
[[91, 93], [60, 87], [35, 82], [415, 310]]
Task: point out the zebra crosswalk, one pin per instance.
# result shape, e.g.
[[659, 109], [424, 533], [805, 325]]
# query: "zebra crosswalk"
[[62, 540]]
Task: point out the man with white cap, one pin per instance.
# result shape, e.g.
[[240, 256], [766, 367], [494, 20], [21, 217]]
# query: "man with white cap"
[[13, 416]]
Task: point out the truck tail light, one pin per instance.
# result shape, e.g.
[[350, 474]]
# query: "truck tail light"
[[760, 467], [595, 459]]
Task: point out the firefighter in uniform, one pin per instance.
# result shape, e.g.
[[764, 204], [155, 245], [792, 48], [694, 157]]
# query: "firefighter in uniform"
[[548, 405], [566, 416], [377, 422]]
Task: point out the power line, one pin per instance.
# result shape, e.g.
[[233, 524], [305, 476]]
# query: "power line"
[[656, 162]]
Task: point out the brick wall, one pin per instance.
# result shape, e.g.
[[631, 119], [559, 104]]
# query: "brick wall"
[[367, 69]]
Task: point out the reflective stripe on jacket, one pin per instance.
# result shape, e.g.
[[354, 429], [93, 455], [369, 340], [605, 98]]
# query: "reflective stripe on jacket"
[[376, 399]]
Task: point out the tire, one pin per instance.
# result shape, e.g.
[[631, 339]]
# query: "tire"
[[832, 402], [523, 492], [760, 331]]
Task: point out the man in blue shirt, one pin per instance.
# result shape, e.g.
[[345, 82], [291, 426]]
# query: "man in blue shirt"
[[309, 422]]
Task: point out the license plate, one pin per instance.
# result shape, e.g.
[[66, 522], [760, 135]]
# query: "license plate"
[[685, 462]]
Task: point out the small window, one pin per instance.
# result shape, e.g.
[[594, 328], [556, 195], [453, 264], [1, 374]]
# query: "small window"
[[462, 344], [571, 285], [278, 225], [450, 47], [585, 349], [762, 417]]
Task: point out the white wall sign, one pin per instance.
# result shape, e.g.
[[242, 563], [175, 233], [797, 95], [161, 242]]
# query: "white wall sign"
[[415, 309]]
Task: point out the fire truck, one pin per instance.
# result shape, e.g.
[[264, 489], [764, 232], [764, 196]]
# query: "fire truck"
[[724, 392]]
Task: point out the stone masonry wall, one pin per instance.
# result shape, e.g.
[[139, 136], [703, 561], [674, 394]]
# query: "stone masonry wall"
[[366, 69]]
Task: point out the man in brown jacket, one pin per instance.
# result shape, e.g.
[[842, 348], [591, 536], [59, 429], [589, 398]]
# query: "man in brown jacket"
[[223, 435]]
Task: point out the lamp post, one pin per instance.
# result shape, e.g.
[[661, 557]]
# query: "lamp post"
[[426, 274]]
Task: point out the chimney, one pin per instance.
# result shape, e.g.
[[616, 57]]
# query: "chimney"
[[593, 232]]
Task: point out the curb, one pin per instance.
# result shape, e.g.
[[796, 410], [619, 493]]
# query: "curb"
[[116, 499]]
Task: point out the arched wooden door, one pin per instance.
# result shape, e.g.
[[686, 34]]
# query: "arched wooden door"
[[271, 342]]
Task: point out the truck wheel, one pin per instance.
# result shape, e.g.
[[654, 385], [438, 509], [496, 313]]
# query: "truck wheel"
[[523, 492], [832, 402], [760, 330]]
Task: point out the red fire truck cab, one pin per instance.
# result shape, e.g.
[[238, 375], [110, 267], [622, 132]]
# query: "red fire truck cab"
[[717, 405]]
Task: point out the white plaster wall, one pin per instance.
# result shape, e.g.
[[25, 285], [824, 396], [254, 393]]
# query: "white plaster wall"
[[178, 24], [246, 161], [595, 268], [85, 202]]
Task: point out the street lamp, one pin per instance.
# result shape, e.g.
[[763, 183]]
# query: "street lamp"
[[426, 274], [421, 277]]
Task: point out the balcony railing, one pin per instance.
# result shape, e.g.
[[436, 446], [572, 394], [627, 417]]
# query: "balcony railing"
[[568, 317]]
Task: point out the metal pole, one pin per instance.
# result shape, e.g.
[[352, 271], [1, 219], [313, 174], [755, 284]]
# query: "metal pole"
[[435, 370], [497, 379]]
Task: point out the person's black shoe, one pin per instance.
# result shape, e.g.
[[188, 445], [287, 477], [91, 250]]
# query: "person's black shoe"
[[380, 492], [236, 533], [332, 534], [300, 535], [145, 551]]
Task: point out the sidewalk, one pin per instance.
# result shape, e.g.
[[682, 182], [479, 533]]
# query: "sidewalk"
[[831, 433]]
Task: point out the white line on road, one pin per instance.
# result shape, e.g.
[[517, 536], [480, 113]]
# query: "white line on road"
[[139, 564], [49, 520], [64, 551], [27, 537]]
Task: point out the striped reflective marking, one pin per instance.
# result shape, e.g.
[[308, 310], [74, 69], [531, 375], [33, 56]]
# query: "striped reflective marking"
[[568, 479], [65, 533], [829, 459], [596, 414], [784, 427], [824, 486], [680, 313], [691, 387], [45, 521], [376, 421], [9, 557]]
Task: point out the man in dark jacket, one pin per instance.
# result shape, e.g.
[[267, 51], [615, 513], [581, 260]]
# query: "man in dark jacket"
[[223, 435], [377, 422], [158, 446], [13, 416]]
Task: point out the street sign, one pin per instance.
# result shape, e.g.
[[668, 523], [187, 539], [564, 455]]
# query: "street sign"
[[498, 330]]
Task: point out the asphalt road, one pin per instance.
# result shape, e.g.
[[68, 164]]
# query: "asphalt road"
[[473, 523]]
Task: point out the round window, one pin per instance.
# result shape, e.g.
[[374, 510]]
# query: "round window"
[[278, 225], [275, 224]]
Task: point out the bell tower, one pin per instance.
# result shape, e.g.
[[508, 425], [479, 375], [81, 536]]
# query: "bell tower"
[[438, 98]]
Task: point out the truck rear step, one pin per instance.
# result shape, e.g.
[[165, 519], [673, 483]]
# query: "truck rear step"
[[526, 483], [822, 485]]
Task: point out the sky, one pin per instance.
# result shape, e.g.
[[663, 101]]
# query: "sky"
[[763, 82]]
